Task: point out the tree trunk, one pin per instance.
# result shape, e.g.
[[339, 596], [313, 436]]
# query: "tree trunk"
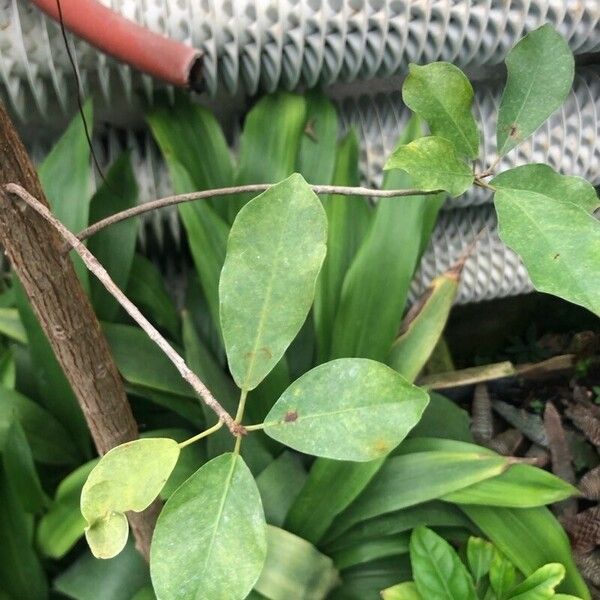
[[64, 312]]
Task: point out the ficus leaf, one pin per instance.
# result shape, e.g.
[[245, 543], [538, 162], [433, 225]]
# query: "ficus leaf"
[[437, 568], [210, 538], [479, 557], [127, 478], [346, 409], [540, 74], [275, 250], [540, 584], [441, 94], [549, 225], [433, 164], [402, 591], [503, 575]]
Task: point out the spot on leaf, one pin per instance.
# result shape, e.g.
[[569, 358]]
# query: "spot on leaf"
[[290, 416]]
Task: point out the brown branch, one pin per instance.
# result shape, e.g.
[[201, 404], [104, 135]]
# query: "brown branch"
[[100, 272], [241, 189], [65, 313]]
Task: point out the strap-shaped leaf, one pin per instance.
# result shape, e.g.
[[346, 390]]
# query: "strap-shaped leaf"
[[128, 478], [275, 250], [433, 164], [549, 225], [346, 409], [540, 74], [437, 568], [210, 538], [441, 94]]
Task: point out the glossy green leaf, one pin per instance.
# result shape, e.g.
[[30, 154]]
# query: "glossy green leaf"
[[317, 153], [347, 409], [445, 419], [423, 326], [11, 325], [402, 591], [114, 246], [63, 524], [270, 142], [441, 94], [51, 385], [20, 470], [433, 164], [294, 569], [65, 175], [146, 289], [522, 486], [375, 288], [348, 218], [8, 370], [127, 478], [503, 575], [210, 538], [116, 579], [540, 584], [279, 485], [274, 253], [529, 538], [558, 240], [540, 74], [383, 547], [342, 481], [437, 569], [21, 573], [400, 482], [47, 438], [433, 514], [480, 554]]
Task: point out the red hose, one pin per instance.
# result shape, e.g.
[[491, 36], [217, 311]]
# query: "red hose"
[[128, 42]]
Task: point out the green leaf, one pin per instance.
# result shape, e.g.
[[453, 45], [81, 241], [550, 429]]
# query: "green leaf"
[[146, 289], [274, 253], [11, 325], [347, 409], [558, 240], [423, 326], [317, 154], [348, 218], [127, 478], [503, 575], [433, 164], [63, 525], [21, 573], [441, 94], [540, 74], [210, 538], [294, 569], [402, 591], [116, 579], [270, 142], [47, 438], [437, 569], [341, 481], [443, 418], [400, 482], [480, 554], [65, 176], [529, 538], [383, 547], [522, 486], [279, 485], [114, 246], [20, 470], [375, 288], [539, 585]]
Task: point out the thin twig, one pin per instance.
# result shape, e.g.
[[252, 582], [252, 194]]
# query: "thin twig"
[[100, 272], [240, 189]]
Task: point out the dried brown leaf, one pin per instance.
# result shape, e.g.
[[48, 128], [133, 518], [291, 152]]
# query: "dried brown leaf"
[[482, 426], [584, 417], [541, 455], [507, 442], [530, 425], [584, 530], [589, 485]]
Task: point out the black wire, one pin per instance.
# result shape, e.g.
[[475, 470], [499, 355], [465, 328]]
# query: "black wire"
[[79, 99]]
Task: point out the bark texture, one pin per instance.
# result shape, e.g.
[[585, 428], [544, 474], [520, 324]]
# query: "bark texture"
[[64, 311]]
